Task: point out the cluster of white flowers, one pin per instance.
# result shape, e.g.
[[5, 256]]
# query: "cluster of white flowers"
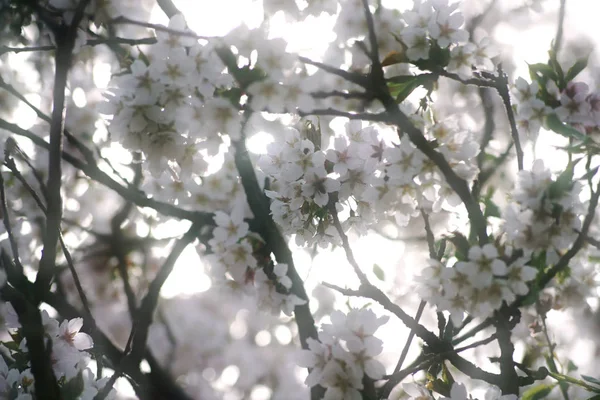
[[530, 111], [457, 392], [233, 247], [69, 359], [544, 214], [478, 286], [574, 105], [436, 22], [578, 107], [365, 175], [344, 353], [430, 21], [164, 104]]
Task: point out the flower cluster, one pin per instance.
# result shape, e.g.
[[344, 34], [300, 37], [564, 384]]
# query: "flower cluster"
[[69, 359], [365, 174], [530, 111], [431, 21], [574, 105], [344, 353], [235, 255], [578, 107], [457, 392], [477, 286], [544, 214], [437, 24], [164, 104]]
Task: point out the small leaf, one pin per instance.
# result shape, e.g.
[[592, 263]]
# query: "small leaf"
[[541, 72], [461, 244], [579, 66], [571, 366], [394, 57], [11, 345], [538, 392], [560, 75], [491, 208], [378, 272], [555, 124], [563, 183], [596, 397], [532, 296], [446, 375], [403, 85], [401, 78], [590, 379], [588, 175]]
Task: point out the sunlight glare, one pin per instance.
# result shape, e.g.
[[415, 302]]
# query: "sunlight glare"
[[258, 143]]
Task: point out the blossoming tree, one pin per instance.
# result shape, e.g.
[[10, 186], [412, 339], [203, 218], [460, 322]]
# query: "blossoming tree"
[[105, 185]]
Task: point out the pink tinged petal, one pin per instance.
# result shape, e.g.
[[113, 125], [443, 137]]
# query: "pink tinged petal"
[[475, 253], [306, 358], [280, 269], [321, 199], [528, 273], [285, 282], [458, 391], [499, 267], [355, 345], [221, 218], [75, 325], [490, 251], [83, 341], [332, 185], [331, 155], [314, 377], [373, 346], [374, 369]]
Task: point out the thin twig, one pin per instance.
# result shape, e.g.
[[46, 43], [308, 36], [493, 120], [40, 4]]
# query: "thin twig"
[[346, 245], [157, 27], [354, 77], [559, 29], [91, 42], [381, 117], [139, 330], [564, 387], [502, 88]]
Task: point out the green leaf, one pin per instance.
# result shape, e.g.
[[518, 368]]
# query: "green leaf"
[[441, 387], [579, 66], [554, 64], [553, 123], [541, 71], [11, 345], [402, 86], [491, 208], [402, 78], [446, 375], [596, 397], [379, 273], [461, 244], [563, 183], [538, 392], [394, 57], [72, 389], [588, 175], [590, 379]]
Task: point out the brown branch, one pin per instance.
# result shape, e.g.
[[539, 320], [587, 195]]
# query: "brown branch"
[[65, 39]]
